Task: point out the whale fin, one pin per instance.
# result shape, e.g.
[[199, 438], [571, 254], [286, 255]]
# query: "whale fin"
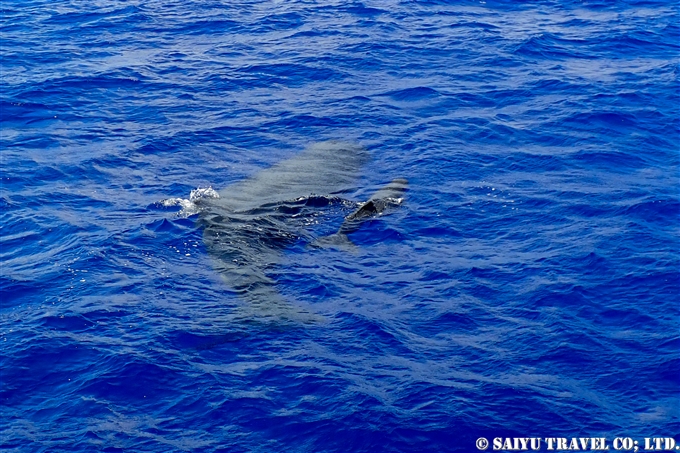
[[337, 241], [390, 196]]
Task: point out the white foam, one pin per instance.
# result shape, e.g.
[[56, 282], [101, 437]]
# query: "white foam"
[[205, 192], [189, 207]]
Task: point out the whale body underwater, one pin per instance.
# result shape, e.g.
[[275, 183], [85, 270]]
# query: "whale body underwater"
[[248, 224]]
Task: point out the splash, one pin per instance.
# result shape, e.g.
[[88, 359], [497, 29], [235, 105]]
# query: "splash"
[[189, 206]]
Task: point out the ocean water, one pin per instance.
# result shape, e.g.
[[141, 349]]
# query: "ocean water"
[[528, 285]]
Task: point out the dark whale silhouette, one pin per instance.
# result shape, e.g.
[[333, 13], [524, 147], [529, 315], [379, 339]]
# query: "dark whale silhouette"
[[252, 221]]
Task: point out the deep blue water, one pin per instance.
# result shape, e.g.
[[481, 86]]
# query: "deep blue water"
[[528, 285]]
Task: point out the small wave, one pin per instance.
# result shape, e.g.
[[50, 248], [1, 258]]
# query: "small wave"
[[413, 94], [547, 45]]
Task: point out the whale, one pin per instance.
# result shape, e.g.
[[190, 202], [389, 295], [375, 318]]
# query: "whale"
[[247, 225]]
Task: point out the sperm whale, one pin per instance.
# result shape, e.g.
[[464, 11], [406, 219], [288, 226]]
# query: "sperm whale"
[[248, 224]]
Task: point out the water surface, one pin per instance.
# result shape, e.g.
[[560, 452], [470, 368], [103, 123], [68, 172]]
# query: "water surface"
[[528, 285]]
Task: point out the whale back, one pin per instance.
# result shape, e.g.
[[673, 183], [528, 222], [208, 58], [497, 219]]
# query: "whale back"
[[324, 168]]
